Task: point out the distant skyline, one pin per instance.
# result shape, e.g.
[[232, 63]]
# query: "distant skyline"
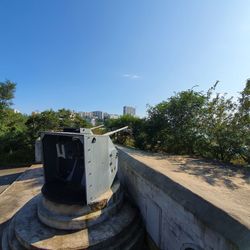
[[103, 55]]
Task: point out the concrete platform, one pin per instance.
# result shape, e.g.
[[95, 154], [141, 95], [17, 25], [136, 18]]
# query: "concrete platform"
[[31, 233], [108, 223], [19, 193], [185, 202], [193, 202], [73, 217], [9, 175], [223, 186]]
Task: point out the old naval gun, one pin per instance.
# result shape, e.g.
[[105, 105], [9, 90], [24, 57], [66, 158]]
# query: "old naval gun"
[[78, 166], [81, 204]]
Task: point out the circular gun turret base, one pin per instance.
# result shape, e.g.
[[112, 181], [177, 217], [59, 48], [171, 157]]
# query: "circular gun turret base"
[[64, 193], [109, 223], [72, 217]]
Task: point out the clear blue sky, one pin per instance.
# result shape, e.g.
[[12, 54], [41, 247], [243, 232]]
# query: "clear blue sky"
[[100, 55]]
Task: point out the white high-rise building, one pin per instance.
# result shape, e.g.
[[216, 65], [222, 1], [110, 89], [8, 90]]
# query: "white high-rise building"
[[128, 110], [86, 114], [98, 114], [113, 116]]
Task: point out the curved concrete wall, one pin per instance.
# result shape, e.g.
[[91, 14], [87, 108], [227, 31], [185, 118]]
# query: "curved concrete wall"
[[176, 218]]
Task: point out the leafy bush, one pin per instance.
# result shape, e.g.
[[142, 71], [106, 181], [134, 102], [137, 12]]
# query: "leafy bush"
[[18, 132], [190, 122]]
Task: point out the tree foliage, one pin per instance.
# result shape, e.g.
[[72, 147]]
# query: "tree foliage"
[[7, 90], [189, 122], [177, 121], [125, 120], [18, 132], [53, 120]]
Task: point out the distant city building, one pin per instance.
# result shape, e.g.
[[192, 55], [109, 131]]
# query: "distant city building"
[[106, 115], [98, 114], [128, 110], [86, 115], [113, 116]]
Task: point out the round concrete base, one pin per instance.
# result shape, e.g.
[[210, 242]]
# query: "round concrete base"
[[115, 225], [73, 217]]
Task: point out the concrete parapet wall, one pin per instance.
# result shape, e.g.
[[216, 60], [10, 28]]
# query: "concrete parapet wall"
[[175, 217]]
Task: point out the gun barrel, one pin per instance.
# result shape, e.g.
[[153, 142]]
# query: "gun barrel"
[[115, 131], [97, 127]]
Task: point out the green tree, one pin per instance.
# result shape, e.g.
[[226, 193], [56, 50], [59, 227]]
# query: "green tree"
[[124, 137], [14, 143], [242, 124], [217, 128], [53, 120], [14, 146], [44, 121], [174, 124], [7, 90], [190, 122], [68, 118]]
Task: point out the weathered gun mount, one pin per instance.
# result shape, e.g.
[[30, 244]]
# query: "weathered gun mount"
[[82, 205], [78, 166]]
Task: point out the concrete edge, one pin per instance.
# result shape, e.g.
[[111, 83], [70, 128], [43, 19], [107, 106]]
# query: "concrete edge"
[[212, 216]]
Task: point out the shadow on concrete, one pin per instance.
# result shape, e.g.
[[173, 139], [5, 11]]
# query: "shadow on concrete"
[[35, 234], [10, 175], [8, 178], [212, 172], [32, 173]]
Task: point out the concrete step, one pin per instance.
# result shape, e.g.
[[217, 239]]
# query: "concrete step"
[[130, 239], [127, 238], [136, 241], [33, 234], [104, 200], [5, 242], [9, 240], [66, 222], [75, 217], [13, 242]]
